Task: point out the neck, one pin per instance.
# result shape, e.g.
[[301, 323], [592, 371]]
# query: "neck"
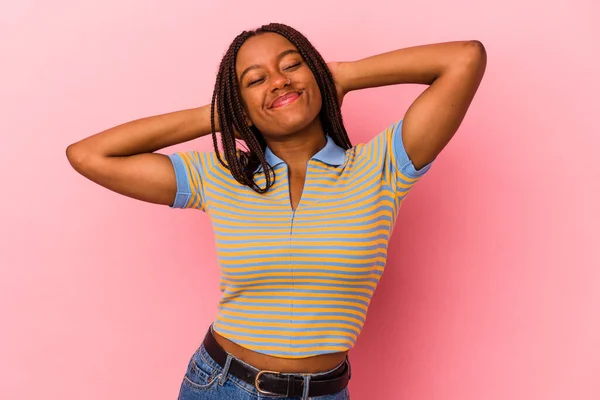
[[296, 149]]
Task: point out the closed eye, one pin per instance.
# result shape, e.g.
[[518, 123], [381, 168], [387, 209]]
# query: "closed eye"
[[255, 81], [292, 66]]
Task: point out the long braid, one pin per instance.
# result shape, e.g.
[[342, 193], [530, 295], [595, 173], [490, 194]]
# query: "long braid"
[[226, 100], [251, 137]]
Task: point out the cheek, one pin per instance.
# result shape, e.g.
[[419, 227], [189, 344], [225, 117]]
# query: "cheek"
[[316, 99], [252, 104]]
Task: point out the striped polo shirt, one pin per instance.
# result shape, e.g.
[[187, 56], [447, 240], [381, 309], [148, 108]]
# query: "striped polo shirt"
[[297, 283]]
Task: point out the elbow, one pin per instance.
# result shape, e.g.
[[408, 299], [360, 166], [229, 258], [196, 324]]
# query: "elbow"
[[73, 154], [474, 53], [471, 58], [475, 46], [78, 157]]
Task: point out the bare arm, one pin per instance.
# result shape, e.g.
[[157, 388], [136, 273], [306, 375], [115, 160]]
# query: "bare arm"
[[122, 158], [453, 70]]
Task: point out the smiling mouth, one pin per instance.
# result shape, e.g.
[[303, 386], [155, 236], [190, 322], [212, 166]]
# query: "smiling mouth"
[[286, 99]]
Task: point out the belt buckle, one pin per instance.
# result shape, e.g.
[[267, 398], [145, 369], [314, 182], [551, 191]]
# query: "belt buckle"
[[257, 384]]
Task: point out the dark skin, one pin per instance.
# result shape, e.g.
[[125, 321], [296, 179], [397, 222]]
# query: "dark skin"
[[123, 158]]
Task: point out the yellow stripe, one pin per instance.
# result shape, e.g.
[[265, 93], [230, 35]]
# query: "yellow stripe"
[[294, 309], [269, 245], [225, 264], [193, 178], [286, 251], [295, 333], [297, 273], [287, 324], [298, 285], [296, 317], [299, 236], [309, 221], [283, 233], [322, 298]]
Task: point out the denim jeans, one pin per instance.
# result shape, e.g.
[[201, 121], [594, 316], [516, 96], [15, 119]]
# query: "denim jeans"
[[207, 380]]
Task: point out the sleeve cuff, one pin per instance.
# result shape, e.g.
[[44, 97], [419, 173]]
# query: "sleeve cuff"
[[184, 194], [405, 164]]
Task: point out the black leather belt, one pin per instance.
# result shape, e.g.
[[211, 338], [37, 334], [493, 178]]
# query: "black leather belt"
[[280, 384]]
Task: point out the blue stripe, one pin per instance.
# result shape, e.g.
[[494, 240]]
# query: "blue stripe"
[[286, 314], [337, 231], [298, 285], [264, 319], [285, 245], [288, 279], [264, 259], [266, 223], [244, 240], [291, 303], [287, 330], [290, 336], [298, 269], [296, 294]]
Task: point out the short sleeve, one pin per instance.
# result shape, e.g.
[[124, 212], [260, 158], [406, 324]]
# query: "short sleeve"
[[403, 162], [188, 172], [396, 166]]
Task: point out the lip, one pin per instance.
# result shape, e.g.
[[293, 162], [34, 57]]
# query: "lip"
[[285, 99]]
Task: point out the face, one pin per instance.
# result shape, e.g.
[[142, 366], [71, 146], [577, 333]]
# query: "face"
[[279, 91]]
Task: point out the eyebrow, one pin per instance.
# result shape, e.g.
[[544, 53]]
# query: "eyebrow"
[[279, 57]]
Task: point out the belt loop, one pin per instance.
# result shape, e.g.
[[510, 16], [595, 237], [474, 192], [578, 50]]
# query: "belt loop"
[[225, 370], [306, 387]]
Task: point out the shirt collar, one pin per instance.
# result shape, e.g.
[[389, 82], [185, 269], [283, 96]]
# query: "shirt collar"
[[331, 154]]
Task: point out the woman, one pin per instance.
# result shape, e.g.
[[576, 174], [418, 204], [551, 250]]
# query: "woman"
[[302, 218]]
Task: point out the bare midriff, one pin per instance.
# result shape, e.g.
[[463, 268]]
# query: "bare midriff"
[[309, 365]]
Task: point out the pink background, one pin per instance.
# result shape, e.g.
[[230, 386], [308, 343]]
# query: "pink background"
[[492, 289]]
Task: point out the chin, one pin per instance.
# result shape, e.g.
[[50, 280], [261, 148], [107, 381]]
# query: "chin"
[[288, 126], [295, 122]]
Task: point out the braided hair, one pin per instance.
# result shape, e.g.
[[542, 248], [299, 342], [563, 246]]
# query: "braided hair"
[[226, 99]]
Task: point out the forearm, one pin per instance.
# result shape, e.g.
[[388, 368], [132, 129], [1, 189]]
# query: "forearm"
[[147, 135], [419, 64]]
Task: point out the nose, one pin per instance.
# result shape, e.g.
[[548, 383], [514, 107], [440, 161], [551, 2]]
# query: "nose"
[[279, 82]]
